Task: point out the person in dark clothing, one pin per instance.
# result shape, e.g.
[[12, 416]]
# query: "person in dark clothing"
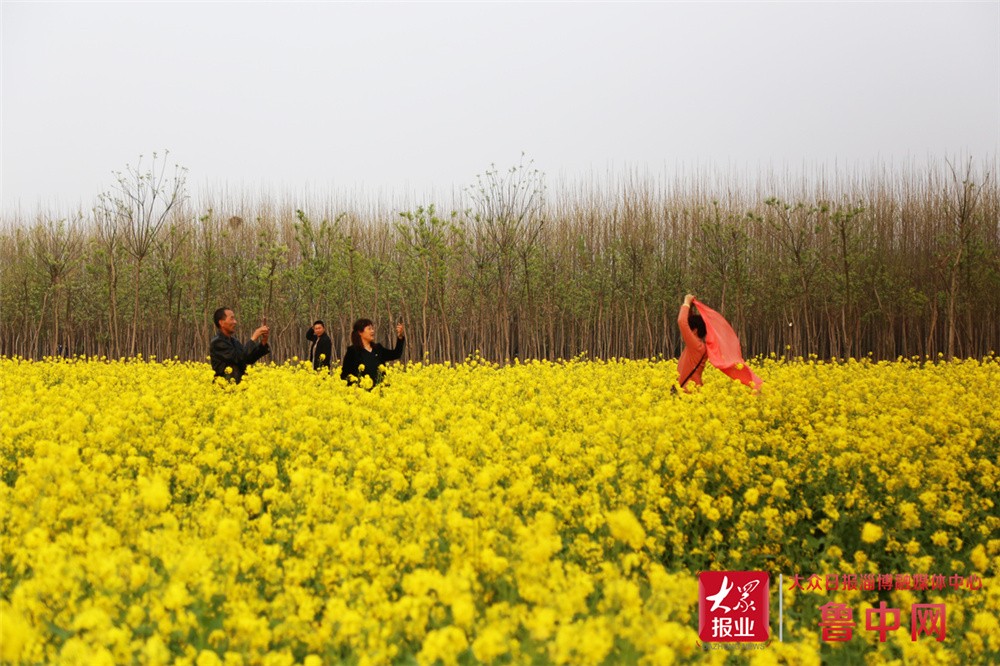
[[227, 353], [365, 357], [322, 349]]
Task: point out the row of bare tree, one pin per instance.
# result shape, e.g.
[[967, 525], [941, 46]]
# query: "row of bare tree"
[[889, 264]]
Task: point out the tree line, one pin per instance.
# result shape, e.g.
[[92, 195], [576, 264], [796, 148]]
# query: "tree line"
[[891, 263]]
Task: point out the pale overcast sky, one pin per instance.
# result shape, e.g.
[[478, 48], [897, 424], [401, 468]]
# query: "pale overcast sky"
[[397, 97]]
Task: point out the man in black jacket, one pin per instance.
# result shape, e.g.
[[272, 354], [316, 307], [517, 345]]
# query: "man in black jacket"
[[230, 358], [321, 349]]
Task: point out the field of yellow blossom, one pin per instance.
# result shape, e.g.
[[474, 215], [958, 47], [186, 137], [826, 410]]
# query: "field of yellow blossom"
[[530, 514]]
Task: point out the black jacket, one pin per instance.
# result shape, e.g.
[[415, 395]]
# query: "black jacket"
[[371, 360], [227, 352], [321, 346]]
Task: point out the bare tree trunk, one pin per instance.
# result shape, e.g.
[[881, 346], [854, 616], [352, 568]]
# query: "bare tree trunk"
[[113, 309], [135, 309]]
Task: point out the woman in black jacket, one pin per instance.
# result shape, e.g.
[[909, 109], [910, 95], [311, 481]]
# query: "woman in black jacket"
[[321, 350], [365, 357]]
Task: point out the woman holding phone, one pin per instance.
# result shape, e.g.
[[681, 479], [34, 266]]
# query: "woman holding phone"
[[365, 357]]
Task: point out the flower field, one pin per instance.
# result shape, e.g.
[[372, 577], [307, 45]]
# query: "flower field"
[[531, 514]]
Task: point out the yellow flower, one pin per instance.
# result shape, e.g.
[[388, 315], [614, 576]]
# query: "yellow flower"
[[382, 527], [871, 533], [626, 527], [16, 633], [979, 559], [463, 611], [908, 514], [443, 644], [155, 493], [490, 644], [939, 538], [208, 658]]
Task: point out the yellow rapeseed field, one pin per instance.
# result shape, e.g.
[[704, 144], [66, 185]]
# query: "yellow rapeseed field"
[[535, 513]]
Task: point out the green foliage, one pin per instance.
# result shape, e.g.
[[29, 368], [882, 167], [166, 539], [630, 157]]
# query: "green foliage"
[[904, 270]]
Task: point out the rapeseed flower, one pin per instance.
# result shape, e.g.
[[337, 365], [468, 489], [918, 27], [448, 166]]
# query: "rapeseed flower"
[[871, 533], [529, 513], [626, 528]]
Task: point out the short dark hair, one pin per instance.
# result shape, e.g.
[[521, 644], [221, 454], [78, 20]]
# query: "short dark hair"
[[697, 324], [320, 322], [219, 315], [359, 326]]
